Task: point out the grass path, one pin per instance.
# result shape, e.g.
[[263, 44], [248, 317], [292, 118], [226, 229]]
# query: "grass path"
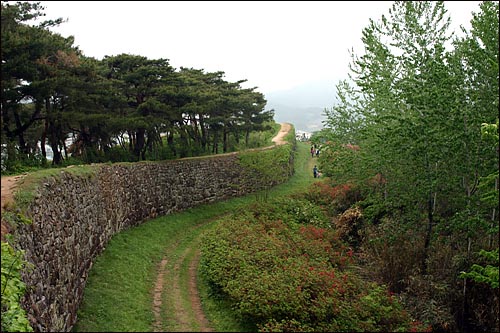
[[146, 278]]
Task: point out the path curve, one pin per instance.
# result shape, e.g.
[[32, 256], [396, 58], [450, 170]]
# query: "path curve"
[[279, 139], [168, 286], [168, 273], [9, 183]]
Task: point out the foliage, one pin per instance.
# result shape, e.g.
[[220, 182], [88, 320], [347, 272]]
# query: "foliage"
[[52, 94], [489, 183], [416, 129], [258, 139], [349, 226], [281, 278], [485, 274], [14, 219], [292, 210], [488, 273], [299, 210], [127, 306], [272, 166], [22, 164], [13, 315], [334, 199]]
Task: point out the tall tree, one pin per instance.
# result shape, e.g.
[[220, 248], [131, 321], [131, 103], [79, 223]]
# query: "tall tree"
[[415, 109], [403, 80], [475, 68], [24, 45], [252, 115], [138, 80]]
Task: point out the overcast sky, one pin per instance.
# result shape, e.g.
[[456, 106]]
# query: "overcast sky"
[[275, 45]]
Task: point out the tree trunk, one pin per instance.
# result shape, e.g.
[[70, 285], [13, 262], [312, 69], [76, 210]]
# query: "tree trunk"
[[139, 142], [54, 144], [493, 216], [52, 131], [170, 142], [184, 152], [215, 148], [430, 217], [204, 135], [225, 141], [43, 140], [247, 137], [20, 134]]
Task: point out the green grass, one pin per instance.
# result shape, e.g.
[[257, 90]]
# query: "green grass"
[[28, 184], [118, 294], [260, 139]]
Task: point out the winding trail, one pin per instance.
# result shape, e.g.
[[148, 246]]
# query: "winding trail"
[[279, 139], [176, 303]]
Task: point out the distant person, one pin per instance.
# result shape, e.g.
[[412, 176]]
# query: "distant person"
[[312, 151], [315, 171], [317, 152]]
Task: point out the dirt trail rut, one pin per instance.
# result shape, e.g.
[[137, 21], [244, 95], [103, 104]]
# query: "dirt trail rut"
[[173, 311], [169, 288]]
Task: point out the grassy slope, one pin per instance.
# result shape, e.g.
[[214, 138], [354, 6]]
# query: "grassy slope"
[[118, 292]]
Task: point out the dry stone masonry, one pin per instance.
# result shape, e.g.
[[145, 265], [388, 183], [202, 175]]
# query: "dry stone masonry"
[[74, 216]]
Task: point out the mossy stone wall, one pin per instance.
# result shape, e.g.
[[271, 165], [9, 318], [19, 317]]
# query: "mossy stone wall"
[[74, 216]]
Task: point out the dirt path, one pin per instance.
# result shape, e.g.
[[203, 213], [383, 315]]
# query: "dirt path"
[[195, 297], [9, 184], [176, 303], [279, 139]]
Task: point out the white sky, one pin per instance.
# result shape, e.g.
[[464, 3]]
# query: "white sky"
[[275, 45]]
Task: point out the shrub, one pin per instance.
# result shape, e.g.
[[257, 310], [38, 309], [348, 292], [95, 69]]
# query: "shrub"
[[487, 273], [119, 154], [14, 317], [393, 250], [334, 199], [273, 166], [284, 279], [292, 211]]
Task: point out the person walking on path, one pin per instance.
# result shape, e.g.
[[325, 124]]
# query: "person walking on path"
[[315, 171]]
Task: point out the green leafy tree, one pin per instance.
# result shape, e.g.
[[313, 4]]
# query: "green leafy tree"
[[412, 115], [251, 114], [475, 65], [24, 46], [138, 80]]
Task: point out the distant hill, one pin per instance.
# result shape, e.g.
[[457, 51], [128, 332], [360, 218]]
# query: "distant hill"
[[308, 119], [303, 105]]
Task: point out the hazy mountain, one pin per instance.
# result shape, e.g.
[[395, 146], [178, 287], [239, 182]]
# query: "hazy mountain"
[[305, 119], [303, 106]]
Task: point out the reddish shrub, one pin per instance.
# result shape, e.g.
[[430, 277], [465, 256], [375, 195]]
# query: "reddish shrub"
[[335, 199]]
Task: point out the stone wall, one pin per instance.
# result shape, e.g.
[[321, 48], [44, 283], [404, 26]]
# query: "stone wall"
[[74, 216]]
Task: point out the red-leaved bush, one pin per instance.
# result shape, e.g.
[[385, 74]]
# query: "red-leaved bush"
[[283, 278], [335, 199]]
